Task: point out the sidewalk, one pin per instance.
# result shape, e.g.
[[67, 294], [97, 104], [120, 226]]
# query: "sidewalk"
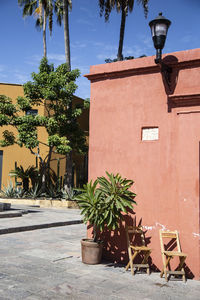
[[46, 264], [36, 218]]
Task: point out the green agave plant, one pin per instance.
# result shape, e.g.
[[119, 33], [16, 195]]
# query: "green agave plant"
[[10, 191], [104, 202]]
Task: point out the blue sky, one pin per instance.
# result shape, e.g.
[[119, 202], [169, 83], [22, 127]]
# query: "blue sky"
[[92, 40]]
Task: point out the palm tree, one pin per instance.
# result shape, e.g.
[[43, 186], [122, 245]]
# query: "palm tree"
[[43, 10], [62, 8], [30, 173], [125, 7]]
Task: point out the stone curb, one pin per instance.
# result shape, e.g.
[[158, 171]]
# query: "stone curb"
[[38, 226], [8, 214], [45, 203]]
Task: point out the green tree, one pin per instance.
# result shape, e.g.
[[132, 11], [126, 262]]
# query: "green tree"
[[53, 89], [43, 10], [124, 7]]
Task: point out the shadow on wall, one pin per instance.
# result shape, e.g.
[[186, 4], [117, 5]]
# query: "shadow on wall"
[[170, 79], [115, 244]]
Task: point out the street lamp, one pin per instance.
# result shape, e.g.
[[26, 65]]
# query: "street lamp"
[[159, 27]]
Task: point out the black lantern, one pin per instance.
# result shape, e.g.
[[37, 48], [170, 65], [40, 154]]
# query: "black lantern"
[[159, 27]]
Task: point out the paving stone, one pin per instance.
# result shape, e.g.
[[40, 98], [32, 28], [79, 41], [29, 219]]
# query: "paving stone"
[[46, 264]]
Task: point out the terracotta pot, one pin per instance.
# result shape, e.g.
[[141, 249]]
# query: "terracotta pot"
[[91, 251]]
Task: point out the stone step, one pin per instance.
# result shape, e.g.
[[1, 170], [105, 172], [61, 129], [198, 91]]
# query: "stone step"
[[10, 214], [39, 226], [4, 206]]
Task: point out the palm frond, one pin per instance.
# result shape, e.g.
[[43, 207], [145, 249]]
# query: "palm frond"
[[144, 4]]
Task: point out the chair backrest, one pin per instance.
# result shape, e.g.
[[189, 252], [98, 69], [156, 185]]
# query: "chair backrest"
[[172, 241], [135, 230]]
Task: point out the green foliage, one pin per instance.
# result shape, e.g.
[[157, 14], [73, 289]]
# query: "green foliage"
[[33, 7], [30, 173], [109, 60], [61, 143], [59, 9], [24, 103], [4, 120], [87, 103], [124, 7], [34, 192], [106, 6], [104, 202], [8, 139], [10, 191], [117, 197], [92, 205], [53, 191], [6, 106], [70, 194], [52, 89]]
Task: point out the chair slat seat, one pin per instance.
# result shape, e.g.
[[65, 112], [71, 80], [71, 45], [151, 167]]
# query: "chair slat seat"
[[174, 253], [141, 248]]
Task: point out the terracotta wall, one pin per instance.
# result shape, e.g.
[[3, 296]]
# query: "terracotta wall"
[[126, 98]]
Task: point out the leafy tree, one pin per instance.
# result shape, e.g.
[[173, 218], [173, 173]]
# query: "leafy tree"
[[53, 89], [43, 10], [124, 7]]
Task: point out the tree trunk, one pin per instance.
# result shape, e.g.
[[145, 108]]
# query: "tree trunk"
[[44, 32], [43, 184], [68, 180], [25, 182], [66, 32], [121, 37]]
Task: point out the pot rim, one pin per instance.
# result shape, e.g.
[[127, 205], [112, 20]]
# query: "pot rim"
[[91, 241]]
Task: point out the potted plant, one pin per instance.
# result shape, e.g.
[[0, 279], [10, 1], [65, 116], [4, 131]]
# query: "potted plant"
[[103, 203]]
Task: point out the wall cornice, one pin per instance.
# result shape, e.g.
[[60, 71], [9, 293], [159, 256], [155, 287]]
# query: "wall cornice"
[[141, 70], [140, 66], [184, 100]]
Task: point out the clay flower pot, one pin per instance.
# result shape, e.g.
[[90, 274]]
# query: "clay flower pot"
[[91, 251]]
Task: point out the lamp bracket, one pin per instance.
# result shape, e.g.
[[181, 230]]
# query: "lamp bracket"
[[166, 71]]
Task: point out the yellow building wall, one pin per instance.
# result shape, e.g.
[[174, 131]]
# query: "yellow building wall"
[[22, 155]]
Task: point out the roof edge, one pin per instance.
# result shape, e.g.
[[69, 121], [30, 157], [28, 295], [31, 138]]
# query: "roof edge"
[[181, 59]]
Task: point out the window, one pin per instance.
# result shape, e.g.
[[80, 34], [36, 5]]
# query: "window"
[[32, 112], [150, 134]]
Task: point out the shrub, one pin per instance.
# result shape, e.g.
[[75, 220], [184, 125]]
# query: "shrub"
[[104, 202]]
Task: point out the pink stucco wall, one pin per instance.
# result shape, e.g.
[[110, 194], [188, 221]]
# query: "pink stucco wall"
[[126, 97]]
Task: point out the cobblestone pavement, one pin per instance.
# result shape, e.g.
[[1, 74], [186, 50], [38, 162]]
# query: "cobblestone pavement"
[[46, 264]]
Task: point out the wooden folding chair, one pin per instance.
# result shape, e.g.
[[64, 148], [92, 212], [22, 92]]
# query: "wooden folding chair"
[[169, 251], [135, 250]]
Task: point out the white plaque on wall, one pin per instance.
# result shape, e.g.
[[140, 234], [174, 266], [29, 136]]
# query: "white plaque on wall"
[[150, 134]]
